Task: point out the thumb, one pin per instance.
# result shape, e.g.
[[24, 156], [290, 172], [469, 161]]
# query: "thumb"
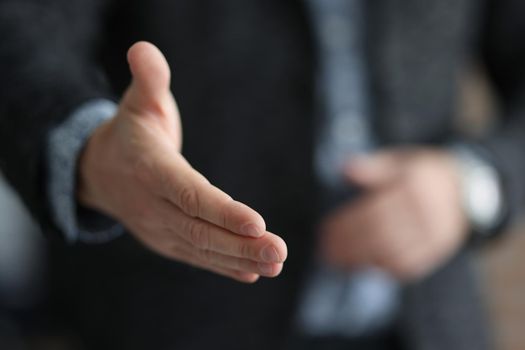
[[150, 88], [376, 170]]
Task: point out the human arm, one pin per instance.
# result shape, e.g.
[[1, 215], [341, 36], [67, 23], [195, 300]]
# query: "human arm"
[[132, 170], [420, 195], [48, 62]]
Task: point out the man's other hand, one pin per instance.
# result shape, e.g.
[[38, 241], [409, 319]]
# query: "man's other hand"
[[132, 170], [409, 219]]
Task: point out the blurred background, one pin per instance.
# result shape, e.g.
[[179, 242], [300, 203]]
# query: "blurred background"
[[22, 270], [23, 260], [501, 264]]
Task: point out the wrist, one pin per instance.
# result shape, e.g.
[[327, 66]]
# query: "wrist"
[[90, 170]]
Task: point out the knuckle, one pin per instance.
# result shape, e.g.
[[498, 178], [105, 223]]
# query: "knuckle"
[[239, 264], [205, 256], [199, 234], [225, 210], [165, 222], [245, 251], [189, 201]]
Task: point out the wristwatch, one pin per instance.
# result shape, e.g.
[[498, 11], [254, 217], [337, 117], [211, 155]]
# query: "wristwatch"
[[481, 190]]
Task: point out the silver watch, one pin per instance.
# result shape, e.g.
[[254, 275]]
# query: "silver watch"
[[481, 190]]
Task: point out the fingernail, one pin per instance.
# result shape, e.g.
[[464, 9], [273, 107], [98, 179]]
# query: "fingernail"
[[251, 230], [266, 269], [269, 254]]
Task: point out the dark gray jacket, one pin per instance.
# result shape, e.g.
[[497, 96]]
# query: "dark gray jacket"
[[243, 78]]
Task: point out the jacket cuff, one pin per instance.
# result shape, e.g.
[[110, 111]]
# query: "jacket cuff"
[[64, 145]]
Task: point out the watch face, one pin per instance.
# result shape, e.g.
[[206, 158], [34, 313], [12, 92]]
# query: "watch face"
[[481, 189], [483, 198]]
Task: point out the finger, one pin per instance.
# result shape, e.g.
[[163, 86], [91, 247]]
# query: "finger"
[[201, 234], [192, 259], [183, 186], [406, 264], [405, 252], [423, 257], [346, 235], [243, 277], [361, 230], [374, 171], [161, 241], [151, 78], [395, 228], [210, 258]]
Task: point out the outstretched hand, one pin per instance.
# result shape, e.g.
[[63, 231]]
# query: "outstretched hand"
[[132, 170]]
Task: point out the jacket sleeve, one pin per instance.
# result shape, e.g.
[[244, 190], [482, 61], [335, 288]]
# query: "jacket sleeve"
[[502, 49], [47, 67], [65, 144]]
